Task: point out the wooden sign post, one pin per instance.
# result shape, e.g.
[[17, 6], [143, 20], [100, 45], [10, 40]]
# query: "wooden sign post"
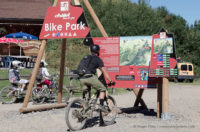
[[59, 23], [162, 95], [24, 108], [165, 100]]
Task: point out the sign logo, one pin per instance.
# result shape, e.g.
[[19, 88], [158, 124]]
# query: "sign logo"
[[64, 6], [162, 35]]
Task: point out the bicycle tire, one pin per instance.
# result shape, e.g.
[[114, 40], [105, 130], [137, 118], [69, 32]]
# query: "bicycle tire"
[[37, 96], [111, 106], [7, 97], [73, 115]]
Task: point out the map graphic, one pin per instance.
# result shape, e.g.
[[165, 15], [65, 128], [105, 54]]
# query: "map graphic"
[[163, 46], [135, 50]]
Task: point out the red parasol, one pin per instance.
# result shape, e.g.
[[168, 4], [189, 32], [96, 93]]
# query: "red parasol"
[[10, 40]]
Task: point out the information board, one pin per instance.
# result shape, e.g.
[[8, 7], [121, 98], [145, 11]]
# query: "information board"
[[127, 60], [138, 61], [163, 57]]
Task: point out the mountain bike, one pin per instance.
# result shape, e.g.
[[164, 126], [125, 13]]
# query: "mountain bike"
[[10, 94], [80, 110], [42, 93]]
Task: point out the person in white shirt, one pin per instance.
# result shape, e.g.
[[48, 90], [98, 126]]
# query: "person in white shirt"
[[43, 75]]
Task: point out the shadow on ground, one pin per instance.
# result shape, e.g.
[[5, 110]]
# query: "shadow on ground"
[[135, 110]]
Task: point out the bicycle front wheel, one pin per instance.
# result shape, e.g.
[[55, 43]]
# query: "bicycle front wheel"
[[110, 106], [37, 95], [8, 95], [65, 95], [74, 116]]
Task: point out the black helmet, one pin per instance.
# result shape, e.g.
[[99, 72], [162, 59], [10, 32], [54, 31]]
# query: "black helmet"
[[95, 48]]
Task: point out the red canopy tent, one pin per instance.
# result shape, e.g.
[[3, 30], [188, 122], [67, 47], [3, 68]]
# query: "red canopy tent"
[[11, 40]]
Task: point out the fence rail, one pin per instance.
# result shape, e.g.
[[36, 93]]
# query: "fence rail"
[[28, 76]]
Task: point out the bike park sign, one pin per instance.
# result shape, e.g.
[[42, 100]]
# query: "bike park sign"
[[64, 21]]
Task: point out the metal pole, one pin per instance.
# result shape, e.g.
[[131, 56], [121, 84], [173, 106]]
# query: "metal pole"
[[9, 48], [20, 50]]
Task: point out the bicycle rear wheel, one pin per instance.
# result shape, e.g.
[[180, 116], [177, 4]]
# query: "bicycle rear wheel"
[[110, 106], [8, 95], [74, 115]]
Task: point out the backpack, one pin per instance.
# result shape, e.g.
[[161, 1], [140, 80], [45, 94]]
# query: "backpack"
[[39, 75], [83, 65]]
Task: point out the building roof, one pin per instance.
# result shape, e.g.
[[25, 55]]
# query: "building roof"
[[23, 9]]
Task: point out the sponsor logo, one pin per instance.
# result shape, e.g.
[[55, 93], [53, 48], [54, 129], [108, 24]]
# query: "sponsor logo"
[[64, 16], [64, 6]]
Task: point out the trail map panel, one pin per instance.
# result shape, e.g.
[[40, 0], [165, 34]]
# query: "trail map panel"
[[127, 60]]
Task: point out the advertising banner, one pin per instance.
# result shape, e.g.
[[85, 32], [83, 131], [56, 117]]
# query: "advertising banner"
[[64, 21]]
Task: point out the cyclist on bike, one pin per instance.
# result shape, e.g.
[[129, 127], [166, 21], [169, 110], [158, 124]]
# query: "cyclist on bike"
[[91, 80], [14, 76], [43, 75]]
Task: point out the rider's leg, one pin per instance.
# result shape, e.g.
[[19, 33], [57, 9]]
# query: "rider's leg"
[[102, 97], [23, 86], [23, 82], [97, 85]]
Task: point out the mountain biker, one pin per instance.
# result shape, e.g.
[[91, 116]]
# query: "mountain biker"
[[91, 80], [14, 76], [43, 75]]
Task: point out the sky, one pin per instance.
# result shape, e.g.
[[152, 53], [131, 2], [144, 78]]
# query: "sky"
[[188, 9]]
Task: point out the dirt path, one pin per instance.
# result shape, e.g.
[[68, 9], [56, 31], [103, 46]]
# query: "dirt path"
[[184, 107]]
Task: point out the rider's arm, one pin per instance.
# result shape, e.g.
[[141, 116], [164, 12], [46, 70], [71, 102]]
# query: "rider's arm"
[[105, 73]]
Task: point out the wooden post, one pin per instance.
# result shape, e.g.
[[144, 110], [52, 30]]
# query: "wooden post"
[[159, 97], [36, 67], [62, 69], [42, 108], [139, 98], [55, 3], [165, 99], [95, 18], [77, 2]]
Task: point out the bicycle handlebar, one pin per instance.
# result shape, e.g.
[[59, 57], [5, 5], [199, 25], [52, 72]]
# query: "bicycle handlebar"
[[111, 83]]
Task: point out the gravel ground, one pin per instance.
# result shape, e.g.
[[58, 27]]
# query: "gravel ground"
[[184, 109]]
